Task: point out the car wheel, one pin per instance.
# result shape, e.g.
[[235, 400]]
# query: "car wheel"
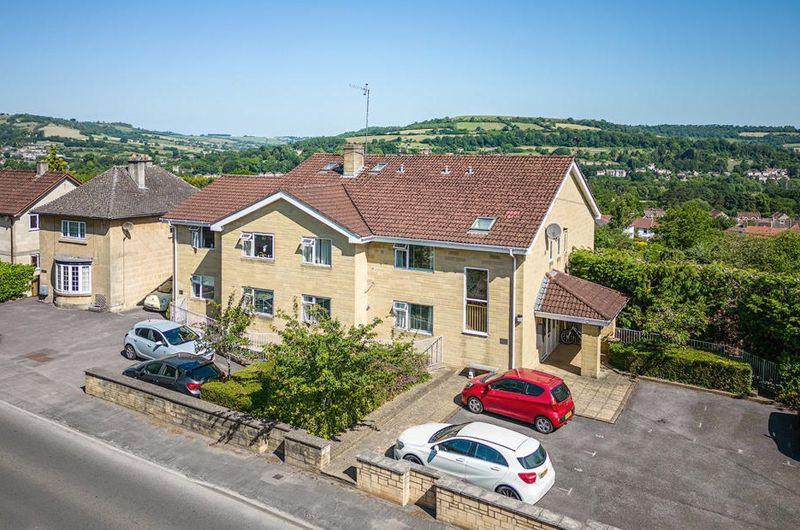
[[413, 459], [474, 405], [543, 425], [507, 491], [130, 353]]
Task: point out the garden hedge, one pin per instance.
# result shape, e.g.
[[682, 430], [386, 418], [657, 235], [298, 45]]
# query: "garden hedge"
[[15, 280], [683, 365]]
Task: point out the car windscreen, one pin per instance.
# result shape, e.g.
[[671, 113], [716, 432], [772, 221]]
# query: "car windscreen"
[[535, 459], [491, 377], [180, 335], [165, 287], [204, 373], [560, 393], [447, 432]]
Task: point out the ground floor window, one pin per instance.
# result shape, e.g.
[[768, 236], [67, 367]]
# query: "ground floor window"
[[262, 300], [476, 301], [203, 287], [311, 301], [413, 317], [73, 278], [35, 261]]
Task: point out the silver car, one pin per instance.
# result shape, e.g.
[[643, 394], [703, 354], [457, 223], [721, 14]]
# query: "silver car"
[[156, 339]]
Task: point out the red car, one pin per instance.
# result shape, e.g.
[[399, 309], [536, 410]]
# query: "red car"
[[524, 394]]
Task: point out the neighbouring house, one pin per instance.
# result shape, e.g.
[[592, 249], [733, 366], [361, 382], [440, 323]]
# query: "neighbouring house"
[[719, 214], [743, 218], [468, 251], [642, 227], [767, 231], [780, 220], [21, 192], [103, 245], [603, 220], [654, 213]]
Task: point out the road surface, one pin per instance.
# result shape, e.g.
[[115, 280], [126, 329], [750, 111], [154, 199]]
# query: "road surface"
[[52, 477]]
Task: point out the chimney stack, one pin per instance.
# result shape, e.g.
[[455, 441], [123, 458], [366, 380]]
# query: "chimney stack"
[[41, 168], [136, 168], [353, 159]]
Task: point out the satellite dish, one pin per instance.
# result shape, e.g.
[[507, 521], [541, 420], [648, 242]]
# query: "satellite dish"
[[128, 226], [553, 231]]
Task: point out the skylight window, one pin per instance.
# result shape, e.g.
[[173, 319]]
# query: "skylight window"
[[377, 168], [329, 166], [483, 224]]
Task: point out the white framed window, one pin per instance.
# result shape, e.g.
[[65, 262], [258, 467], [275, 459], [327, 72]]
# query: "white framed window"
[[476, 301], [309, 301], [73, 278], [414, 257], [413, 317], [566, 241], [202, 237], [202, 287], [73, 229], [316, 251], [258, 245], [262, 300], [35, 261], [33, 222], [482, 224]]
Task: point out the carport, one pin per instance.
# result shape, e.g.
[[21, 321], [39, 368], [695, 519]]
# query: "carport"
[[565, 301]]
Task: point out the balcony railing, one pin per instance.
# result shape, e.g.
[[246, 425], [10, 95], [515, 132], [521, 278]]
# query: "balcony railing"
[[477, 317]]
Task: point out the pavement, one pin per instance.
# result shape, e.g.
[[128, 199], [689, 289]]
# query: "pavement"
[[675, 458], [602, 398], [44, 351], [56, 478]]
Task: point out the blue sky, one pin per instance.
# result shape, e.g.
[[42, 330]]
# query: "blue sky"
[[273, 68]]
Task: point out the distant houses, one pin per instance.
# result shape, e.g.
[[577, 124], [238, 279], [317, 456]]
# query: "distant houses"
[[642, 227]]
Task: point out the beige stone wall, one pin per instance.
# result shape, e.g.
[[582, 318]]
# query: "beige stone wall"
[[95, 247], [140, 262], [195, 261], [26, 241]]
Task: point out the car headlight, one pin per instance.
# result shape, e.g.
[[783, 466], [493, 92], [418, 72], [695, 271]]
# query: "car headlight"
[[399, 445]]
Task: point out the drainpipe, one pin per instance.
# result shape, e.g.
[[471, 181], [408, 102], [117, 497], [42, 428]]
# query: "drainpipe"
[[11, 257], [512, 314], [174, 267]]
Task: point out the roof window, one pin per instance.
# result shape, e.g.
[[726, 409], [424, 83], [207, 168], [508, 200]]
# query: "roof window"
[[329, 166], [377, 168], [483, 224]]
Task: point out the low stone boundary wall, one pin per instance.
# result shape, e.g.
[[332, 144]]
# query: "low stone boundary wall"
[[219, 423], [455, 501]]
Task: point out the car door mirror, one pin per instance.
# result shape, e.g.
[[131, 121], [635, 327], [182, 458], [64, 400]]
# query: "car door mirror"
[[435, 448], [160, 343]]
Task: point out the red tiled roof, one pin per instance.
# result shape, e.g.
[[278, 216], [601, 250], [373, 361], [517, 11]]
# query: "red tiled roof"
[[421, 202], [644, 223], [762, 231], [19, 189], [563, 294]]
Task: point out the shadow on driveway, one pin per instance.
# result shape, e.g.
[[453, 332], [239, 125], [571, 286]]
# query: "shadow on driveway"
[[784, 429]]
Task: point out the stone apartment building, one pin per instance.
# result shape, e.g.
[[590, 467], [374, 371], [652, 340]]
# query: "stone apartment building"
[[471, 249], [21, 192], [103, 245]]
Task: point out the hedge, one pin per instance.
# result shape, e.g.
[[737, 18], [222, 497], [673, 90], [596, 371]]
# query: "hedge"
[[15, 280], [243, 391], [683, 365]]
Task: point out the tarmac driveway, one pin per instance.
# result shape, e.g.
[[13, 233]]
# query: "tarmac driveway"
[[676, 458]]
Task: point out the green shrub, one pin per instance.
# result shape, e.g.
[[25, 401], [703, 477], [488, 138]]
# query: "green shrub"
[[323, 377], [789, 383], [683, 365], [15, 280]]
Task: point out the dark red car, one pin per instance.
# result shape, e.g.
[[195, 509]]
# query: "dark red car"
[[529, 395]]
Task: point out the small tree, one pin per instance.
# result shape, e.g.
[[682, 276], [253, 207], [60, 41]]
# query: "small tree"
[[54, 162], [675, 320], [686, 226], [226, 335]]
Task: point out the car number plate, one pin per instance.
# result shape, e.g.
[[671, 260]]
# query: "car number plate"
[[543, 473], [568, 415]]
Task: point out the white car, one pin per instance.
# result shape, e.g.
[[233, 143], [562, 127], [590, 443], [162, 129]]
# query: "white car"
[[483, 454]]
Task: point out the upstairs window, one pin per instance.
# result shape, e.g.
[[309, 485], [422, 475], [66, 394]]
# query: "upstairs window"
[[202, 237], [33, 221], [482, 224], [256, 245], [73, 229], [316, 251], [313, 305], [413, 257]]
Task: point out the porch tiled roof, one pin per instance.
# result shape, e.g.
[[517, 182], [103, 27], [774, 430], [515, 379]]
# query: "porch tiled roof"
[[563, 294]]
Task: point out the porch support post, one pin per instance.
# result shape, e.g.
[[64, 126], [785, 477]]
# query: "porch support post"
[[590, 350]]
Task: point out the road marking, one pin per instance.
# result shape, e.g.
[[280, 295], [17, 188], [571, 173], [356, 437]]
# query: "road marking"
[[705, 408], [579, 470], [568, 491], [592, 453], [700, 425], [787, 463], [219, 489], [649, 431], [599, 436]]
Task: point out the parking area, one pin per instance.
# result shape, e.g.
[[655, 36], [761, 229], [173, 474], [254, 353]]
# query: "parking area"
[[676, 458]]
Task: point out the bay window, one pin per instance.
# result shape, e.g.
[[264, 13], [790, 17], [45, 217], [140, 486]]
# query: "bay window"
[[413, 317], [74, 278], [476, 301], [413, 257], [73, 229], [255, 245], [316, 251]]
